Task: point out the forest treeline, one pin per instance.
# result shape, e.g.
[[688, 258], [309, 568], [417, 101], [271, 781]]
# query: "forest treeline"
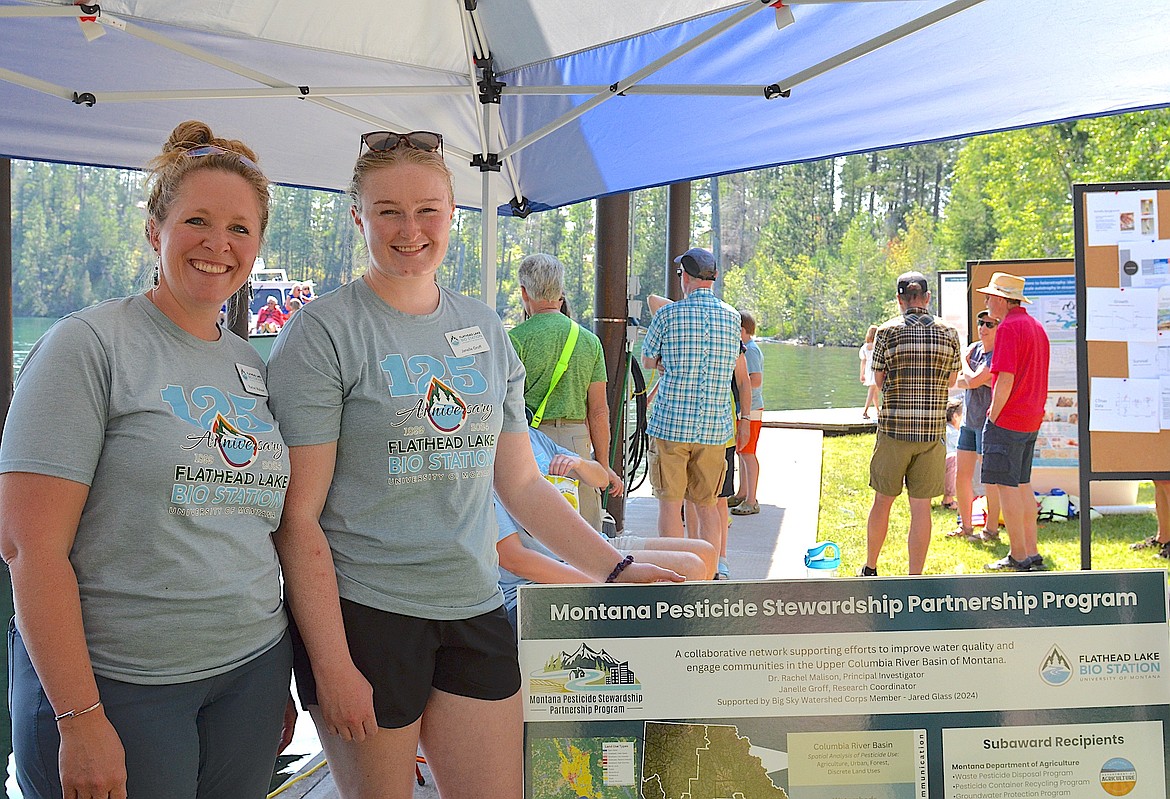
[[812, 249]]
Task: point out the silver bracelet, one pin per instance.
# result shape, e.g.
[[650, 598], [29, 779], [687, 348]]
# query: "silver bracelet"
[[72, 714]]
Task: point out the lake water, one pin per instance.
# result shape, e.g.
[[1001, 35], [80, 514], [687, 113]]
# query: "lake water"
[[795, 376]]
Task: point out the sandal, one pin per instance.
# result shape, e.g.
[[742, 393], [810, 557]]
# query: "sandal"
[[961, 532], [989, 536]]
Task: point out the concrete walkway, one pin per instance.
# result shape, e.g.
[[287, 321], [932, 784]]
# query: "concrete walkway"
[[768, 545], [772, 543]]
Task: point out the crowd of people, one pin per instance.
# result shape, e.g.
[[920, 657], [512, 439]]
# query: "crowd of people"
[[156, 542], [361, 510], [272, 317]]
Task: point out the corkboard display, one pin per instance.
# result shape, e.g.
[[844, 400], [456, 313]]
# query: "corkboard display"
[[1112, 455]]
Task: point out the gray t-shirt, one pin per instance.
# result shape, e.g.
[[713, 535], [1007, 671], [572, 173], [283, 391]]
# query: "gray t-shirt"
[[187, 472], [415, 404]]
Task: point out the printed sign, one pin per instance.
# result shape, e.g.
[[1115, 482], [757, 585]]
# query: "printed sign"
[[916, 687]]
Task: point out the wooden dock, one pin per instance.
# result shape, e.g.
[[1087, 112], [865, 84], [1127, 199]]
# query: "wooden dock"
[[830, 421]]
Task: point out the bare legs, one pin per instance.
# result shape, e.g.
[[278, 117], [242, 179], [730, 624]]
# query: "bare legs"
[[473, 747], [878, 525], [870, 401], [1019, 512]]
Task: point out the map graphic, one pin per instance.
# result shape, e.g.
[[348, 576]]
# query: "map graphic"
[[575, 768], [702, 761]]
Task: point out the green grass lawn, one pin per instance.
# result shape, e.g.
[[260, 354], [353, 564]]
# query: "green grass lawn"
[[846, 498]]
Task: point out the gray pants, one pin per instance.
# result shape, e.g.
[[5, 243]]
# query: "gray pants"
[[210, 739]]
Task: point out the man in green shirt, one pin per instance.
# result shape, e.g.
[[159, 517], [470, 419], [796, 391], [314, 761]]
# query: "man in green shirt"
[[576, 413]]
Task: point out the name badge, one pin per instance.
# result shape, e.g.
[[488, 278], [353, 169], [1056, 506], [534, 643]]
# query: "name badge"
[[468, 341], [252, 379]]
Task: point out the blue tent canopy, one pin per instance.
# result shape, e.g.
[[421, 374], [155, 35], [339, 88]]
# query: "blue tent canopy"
[[585, 99]]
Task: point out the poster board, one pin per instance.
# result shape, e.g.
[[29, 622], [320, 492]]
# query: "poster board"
[[953, 302], [1049, 283], [1122, 239], [880, 688]]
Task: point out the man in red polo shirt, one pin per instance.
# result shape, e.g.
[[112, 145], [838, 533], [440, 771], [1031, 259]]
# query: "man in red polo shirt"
[[1019, 368]]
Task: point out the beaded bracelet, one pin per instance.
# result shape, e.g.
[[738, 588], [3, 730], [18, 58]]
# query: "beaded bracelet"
[[72, 714], [618, 569]]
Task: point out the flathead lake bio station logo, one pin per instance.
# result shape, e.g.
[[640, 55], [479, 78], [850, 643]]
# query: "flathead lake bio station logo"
[[1056, 669]]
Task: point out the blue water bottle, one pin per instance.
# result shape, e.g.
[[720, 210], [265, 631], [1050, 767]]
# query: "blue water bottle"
[[823, 560]]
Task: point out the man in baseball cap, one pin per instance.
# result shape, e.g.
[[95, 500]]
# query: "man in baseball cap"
[[1019, 367], [915, 362], [694, 344]]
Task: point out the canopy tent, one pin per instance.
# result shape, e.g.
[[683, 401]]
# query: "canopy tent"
[[582, 99]]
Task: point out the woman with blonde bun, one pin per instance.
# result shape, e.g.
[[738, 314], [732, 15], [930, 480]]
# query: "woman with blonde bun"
[[141, 479]]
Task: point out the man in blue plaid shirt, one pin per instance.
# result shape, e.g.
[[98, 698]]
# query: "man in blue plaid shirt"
[[694, 343]]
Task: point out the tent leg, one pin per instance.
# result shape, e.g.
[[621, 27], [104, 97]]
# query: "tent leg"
[[489, 221], [611, 269]]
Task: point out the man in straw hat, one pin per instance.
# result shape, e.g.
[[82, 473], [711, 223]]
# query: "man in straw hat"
[[1019, 368]]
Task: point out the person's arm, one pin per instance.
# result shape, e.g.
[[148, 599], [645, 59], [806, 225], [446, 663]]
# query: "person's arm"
[[587, 470], [345, 696], [38, 523], [1000, 393], [535, 566], [541, 510], [743, 424], [861, 357], [597, 420], [879, 359]]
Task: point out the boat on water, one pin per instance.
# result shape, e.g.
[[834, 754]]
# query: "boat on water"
[[271, 283]]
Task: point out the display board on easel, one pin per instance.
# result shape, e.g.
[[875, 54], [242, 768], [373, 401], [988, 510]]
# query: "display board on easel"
[[1049, 283], [1122, 238]]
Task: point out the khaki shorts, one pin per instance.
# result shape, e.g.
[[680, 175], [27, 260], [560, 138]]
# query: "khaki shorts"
[[919, 465], [687, 471]]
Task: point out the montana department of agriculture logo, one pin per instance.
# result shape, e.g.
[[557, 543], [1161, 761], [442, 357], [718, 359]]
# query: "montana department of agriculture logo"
[[1055, 670], [1118, 776], [583, 671]]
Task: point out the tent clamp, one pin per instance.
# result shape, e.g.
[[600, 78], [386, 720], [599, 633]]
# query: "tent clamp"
[[85, 98], [470, 5], [91, 11], [486, 163], [489, 88], [772, 91], [304, 90], [520, 206]]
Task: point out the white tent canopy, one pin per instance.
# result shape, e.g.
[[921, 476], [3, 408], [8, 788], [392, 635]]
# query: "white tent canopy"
[[593, 98]]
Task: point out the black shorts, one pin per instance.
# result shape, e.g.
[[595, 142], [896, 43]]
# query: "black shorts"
[[1007, 456], [729, 479], [403, 657]]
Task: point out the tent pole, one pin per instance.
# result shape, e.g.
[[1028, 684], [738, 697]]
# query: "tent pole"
[[611, 278], [489, 221], [6, 332], [678, 234], [6, 346]]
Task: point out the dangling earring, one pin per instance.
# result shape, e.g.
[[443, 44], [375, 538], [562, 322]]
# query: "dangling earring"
[[251, 291], [157, 270]]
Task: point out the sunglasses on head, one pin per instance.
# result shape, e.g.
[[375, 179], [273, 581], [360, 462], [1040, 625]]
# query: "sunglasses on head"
[[988, 323], [383, 141], [212, 149]]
